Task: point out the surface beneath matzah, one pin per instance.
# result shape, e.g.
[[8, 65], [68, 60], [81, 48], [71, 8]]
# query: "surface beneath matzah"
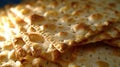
[[92, 55], [64, 22]]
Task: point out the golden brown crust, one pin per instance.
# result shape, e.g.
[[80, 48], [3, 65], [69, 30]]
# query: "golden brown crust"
[[79, 19], [111, 32], [27, 37], [16, 51]]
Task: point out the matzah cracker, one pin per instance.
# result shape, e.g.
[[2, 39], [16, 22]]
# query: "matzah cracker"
[[113, 31], [92, 55], [12, 52], [16, 56], [35, 42], [3, 26], [64, 22]]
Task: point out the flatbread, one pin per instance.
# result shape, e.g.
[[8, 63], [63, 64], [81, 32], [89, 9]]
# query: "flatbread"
[[12, 52], [3, 29], [113, 42], [16, 56], [91, 55], [64, 22], [27, 36], [1, 26], [112, 32]]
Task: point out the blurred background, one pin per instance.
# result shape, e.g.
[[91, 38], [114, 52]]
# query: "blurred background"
[[4, 2]]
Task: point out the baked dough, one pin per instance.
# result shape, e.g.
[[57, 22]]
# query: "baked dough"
[[91, 55], [28, 36], [65, 22], [14, 52]]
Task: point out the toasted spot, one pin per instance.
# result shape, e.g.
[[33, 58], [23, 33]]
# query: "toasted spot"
[[31, 29], [50, 27], [112, 4], [74, 4], [102, 64], [8, 46], [80, 26], [20, 52], [40, 8], [2, 38], [83, 60], [51, 13], [36, 38], [19, 7], [11, 55], [78, 12], [20, 22], [35, 51], [95, 17], [36, 19], [62, 34], [19, 41], [25, 11], [67, 20], [2, 57], [53, 4], [11, 25], [64, 9], [117, 13]]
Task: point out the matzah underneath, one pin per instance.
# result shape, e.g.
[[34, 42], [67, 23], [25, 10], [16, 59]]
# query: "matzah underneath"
[[91, 55]]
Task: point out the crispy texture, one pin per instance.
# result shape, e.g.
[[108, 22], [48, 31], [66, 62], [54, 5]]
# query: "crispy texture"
[[14, 52], [112, 32], [91, 55], [16, 56], [25, 35], [64, 22], [3, 26]]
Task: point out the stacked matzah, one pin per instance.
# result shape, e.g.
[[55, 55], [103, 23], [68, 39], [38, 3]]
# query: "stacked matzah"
[[51, 33]]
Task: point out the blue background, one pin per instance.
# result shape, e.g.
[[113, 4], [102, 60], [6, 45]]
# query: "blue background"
[[4, 2]]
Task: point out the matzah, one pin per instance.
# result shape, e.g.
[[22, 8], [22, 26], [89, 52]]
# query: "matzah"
[[92, 55], [3, 29], [112, 32], [64, 22], [16, 56], [12, 52], [35, 42]]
